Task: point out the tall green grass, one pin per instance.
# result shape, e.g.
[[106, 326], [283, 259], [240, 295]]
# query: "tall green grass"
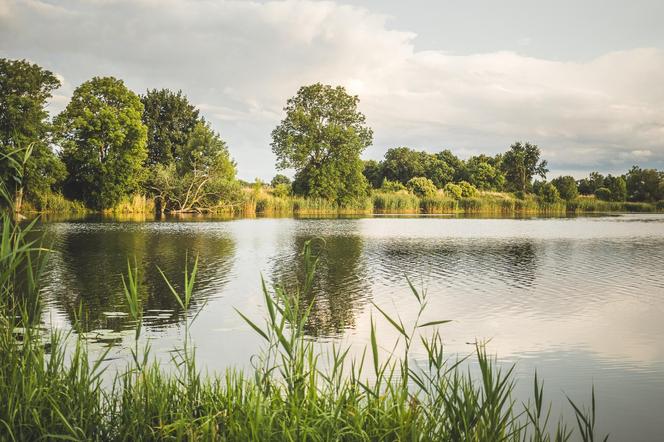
[[395, 202]]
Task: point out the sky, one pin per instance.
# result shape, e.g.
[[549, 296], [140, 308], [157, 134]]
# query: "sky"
[[581, 79]]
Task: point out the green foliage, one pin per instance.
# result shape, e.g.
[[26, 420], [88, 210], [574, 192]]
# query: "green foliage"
[[103, 142], [203, 180], [603, 194], [391, 186], [467, 189], [373, 172], [567, 187], [548, 193], [520, 164], [170, 119], [453, 190], [322, 137], [484, 172], [422, 187], [282, 190], [24, 91], [588, 186], [618, 187], [280, 179], [645, 184]]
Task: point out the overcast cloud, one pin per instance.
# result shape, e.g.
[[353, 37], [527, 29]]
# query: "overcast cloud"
[[239, 61]]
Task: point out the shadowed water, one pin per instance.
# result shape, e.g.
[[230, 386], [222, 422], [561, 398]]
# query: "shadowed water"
[[580, 299]]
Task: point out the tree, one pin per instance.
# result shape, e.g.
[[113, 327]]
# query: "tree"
[[422, 187], [617, 186], [521, 163], [103, 142], [170, 119], [567, 187], [548, 193], [588, 186], [203, 180], [280, 179], [322, 137], [645, 184], [24, 128], [373, 172], [484, 172], [603, 194]]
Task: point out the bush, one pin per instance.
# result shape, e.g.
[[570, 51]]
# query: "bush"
[[453, 190], [467, 189], [603, 194], [282, 190], [422, 187], [548, 193], [391, 186]]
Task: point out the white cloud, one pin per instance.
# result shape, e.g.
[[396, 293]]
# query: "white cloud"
[[241, 60]]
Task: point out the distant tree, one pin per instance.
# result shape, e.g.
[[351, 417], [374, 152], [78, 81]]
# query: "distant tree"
[[587, 186], [617, 186], [402, 163], [548, 193], [455, 169], [24, 89], [280, 179], [170, 119], [567, 187], [103, 142], [521, 163], [373, 172], [322, 137], [645, 184], [422, 187], [484, 173]]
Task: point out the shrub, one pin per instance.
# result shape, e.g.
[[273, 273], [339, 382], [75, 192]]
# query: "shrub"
[[453, 190], [282, 190], [422, 187], [548, 193], [391, 186], [603, 194], [467, 189]]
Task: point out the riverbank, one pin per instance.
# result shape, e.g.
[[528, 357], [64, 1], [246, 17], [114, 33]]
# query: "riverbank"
[[265, 203]]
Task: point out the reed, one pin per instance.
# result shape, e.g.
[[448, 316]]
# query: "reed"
[[395, 202]]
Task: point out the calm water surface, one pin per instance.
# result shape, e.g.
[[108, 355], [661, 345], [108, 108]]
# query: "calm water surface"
[[580, 300]]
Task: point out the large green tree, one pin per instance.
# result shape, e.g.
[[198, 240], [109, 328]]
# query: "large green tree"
[[103, 142], [170, 119], [322, 137], [520, 164], [24, 127], [202, 180]]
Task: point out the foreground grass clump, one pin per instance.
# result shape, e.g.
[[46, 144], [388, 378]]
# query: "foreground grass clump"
[[52, 388]]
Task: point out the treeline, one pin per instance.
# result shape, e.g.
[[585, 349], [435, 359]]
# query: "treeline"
[[110, 145]]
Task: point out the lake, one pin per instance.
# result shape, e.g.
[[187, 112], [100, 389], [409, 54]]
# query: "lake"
[[580, 300]]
